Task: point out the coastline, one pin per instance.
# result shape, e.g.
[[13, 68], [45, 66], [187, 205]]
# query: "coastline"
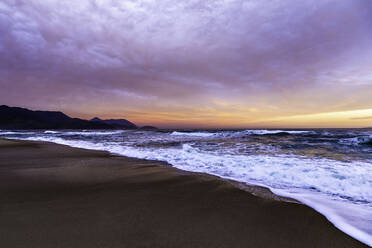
[[58, 196]]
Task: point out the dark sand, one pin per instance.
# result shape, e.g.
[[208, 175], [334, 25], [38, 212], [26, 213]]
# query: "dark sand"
[[56, 196]]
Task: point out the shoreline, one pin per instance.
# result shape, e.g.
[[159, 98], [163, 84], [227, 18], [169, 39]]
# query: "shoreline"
[[256, 190], [28, 178]]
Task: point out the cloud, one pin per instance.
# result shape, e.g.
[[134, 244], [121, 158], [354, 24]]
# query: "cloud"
[[284, 53], [362, 118]]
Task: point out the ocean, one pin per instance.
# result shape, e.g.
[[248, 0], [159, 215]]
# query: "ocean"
[[328, 170]]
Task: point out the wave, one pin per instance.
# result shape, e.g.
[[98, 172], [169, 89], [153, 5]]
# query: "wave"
[[92, 133], [237, 134], [198, 134], [51, 132], [7, 133], [264, 132], [356, 141], [14, 132]]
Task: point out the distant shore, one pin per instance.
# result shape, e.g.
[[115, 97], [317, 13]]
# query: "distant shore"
[[57, 196]]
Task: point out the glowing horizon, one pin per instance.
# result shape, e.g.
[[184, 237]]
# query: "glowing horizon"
[[196, 64], [341, 119]]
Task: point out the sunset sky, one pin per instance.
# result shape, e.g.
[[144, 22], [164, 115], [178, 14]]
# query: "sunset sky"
[[196, 63]]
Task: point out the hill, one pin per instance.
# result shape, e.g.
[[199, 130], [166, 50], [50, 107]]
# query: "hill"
[[116, 123], [22, 118]]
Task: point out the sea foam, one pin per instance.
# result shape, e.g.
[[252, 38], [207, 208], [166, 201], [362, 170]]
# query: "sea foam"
[[198, 134]]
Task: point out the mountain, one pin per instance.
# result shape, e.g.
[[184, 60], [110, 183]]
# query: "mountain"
[[116, 123], [21, 118]]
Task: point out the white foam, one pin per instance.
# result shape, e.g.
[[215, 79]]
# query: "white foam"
[[51, 132], [237, 133], [356, 140], [320, 183], [14, 132], [91, 133], [72, 143], [7, 133], [198, 134], [263, 132]]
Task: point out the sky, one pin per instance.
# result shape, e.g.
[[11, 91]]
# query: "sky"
[[195, 63]]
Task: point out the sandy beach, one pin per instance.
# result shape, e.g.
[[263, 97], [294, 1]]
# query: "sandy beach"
[[56, 196]]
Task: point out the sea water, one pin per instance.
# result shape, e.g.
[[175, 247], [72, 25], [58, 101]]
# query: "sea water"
[[328, 170]]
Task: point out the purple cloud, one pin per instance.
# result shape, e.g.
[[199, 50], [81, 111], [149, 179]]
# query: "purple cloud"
[[145, 56]]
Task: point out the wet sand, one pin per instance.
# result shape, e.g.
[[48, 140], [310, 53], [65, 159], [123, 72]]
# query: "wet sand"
[[56, 196]]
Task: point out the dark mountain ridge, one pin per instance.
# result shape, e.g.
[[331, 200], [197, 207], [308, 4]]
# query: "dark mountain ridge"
[[22, 118], [117, 123]]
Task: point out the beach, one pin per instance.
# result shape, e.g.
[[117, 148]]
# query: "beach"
[[57, 196]]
